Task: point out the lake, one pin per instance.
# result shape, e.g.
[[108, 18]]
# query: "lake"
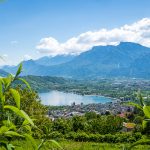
[[57, 98]]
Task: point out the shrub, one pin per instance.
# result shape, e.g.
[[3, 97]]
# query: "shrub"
[[109, 138], [82, 136], [56, 135]]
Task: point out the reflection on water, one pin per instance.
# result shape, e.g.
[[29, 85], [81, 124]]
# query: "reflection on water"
[[57, 98]]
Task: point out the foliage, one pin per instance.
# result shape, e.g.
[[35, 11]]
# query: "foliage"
[[8, 128], [14, 121], [109, 138], [105, 124], [105, 87], [61, 125], [146, 121]]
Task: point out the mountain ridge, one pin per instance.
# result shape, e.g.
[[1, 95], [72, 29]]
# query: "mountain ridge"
[[100, 61]]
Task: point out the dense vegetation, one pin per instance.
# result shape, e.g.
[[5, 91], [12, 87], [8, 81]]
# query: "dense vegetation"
[[115, 88], [24, 117], [15, 123]]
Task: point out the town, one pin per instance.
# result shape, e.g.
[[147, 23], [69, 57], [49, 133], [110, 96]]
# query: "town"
[[115, 107]]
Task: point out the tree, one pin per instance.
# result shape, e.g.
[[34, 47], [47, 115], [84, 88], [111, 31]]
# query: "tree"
[[141, 105]]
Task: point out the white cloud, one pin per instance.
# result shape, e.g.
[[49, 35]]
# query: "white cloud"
[[138, 32]]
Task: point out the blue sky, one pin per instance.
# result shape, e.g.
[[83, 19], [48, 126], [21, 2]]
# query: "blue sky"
[[23, 23]]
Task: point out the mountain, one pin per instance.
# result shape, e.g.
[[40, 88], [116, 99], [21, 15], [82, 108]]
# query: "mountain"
[[56, 60], [29, 68], [39, 66], [124, 60], [106, 61], [3, 73]]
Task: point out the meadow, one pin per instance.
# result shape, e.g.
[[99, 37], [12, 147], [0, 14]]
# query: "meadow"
[[71, 145]]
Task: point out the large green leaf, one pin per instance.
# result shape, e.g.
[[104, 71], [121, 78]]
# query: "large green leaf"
[[16, 97], [20, 113], [25, 116], [14, 109], [146, 110], [12, 134], [31, 139], [19, 70], [24, 81]]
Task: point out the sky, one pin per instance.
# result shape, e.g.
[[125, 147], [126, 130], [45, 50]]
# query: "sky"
[[30, 29]]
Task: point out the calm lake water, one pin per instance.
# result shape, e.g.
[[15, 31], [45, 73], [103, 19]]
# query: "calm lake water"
[[57, 98]]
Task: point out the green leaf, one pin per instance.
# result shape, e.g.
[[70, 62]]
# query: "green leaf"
[[12, 133], [7, 81], [3, 129], [19, 70], [3, 99], [27, 127], [9, 124], [144, 124], [146, 110], [25, 116], [20, 113], [14, 109], [55, 143], [31, 139], [10, 146], [142, 141], [26, 83], [16, 97], [25, 122]]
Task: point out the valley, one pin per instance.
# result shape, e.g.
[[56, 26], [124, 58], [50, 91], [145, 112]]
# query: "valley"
[[120, 88], [74, 75]]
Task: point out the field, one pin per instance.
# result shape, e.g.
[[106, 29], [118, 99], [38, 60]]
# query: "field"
[[69, 145]]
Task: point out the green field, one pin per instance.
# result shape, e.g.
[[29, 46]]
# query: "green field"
[[69, 145]]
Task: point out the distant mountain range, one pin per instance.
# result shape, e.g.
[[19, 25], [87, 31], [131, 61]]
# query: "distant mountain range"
[[50, 61], [124, 60], [3, 73]]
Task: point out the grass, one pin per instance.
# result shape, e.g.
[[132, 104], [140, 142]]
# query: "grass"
[[70, 145]]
